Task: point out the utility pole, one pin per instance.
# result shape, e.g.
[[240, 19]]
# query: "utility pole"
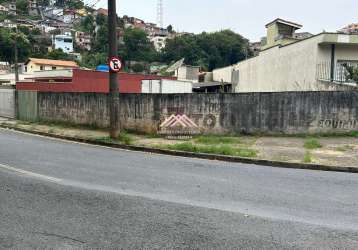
[[16, 59], [113, 76], [16, 56]]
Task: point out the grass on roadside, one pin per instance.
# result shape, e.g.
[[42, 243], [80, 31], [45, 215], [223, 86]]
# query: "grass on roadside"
[[345, 148], [308, 157], [124, 138], [218, 149], [354, 134], [312, 143], [216, 139]]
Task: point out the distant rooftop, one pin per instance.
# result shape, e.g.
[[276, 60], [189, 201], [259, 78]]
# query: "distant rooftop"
[[289, 23], [53, 62]]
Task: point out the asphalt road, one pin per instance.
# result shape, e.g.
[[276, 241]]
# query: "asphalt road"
[[62, 195]]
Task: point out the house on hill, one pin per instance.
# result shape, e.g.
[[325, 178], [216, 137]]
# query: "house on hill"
[[3, 9], [10, 8], [36, 64]]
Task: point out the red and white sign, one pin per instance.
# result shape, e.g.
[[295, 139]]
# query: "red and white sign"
[[115, 64]]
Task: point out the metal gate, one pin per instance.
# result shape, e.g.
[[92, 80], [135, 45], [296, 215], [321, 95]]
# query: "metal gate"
[[7, 102]]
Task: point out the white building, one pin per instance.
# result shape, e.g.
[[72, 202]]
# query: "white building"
[[159, 42], [188, 73], [165, 86], [4, 9], [10, 7], [54, 13], [8, 24], [312, 64], [64, 42]]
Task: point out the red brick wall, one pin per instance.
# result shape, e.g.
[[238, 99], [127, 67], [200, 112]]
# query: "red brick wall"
[[91, 81]]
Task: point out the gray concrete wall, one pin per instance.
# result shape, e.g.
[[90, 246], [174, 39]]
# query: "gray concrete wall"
[[7, 101], [290, 112], [76, 108]]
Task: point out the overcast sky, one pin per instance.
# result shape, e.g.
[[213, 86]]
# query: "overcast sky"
[[247, 17]]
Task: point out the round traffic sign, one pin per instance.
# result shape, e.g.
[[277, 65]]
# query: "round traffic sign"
[[115, 64]]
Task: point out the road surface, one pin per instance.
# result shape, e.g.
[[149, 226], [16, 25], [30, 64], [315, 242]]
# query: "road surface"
[[61, 195]]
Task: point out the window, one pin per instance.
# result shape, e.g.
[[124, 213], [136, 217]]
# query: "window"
[[54, 68], [41, 67], [344, 70], [67, 40]]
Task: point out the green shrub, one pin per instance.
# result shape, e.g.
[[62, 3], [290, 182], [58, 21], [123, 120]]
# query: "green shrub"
[[138, 68], [125, 138], [354, 134], [308, 157], [312, 143]]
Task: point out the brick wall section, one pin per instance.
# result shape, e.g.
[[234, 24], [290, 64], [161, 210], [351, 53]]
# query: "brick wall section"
[[84, 81], [272, 113]]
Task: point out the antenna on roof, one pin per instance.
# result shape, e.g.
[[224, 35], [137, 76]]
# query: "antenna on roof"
[[160, 14]]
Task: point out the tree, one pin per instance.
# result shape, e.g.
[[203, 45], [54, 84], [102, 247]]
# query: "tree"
[[58, 54], [87, 24], [101, 20], [138, 68], [22, 7], [351, 72], [92, 60], [74, 4], [170, 28], [208, 50], [7, 40], [100, 43], [137, 46]]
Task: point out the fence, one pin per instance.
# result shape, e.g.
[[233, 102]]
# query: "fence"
[[271, 113], [343, 72]]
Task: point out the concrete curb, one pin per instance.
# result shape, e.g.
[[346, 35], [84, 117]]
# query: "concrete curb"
[[192, 155]]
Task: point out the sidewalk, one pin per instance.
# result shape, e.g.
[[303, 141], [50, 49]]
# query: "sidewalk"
[[329, 151]]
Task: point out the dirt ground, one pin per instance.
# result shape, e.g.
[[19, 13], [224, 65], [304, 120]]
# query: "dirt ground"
[[335, 151]]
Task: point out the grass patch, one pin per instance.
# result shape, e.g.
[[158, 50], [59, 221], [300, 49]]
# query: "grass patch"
[[308, 157], [126, 138], [312, 143], [219, 149], [354, 134], [215, 139], [123, 138], [345, 148], [69, 125]]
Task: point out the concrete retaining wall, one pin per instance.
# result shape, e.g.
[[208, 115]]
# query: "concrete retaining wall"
[[291, 112], [7, 102]]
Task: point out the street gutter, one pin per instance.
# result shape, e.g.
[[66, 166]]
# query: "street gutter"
[[223, 158]]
